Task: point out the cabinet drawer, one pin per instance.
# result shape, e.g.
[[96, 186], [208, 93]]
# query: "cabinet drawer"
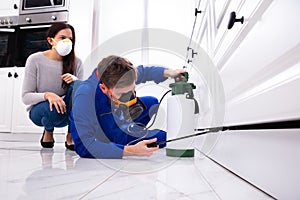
[[228, 40], [275, 100]]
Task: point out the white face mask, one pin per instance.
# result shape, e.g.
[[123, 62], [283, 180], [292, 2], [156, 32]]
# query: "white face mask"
[[63, 47]]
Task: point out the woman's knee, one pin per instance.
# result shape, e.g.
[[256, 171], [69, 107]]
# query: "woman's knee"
[[41, 115], [38, 111]]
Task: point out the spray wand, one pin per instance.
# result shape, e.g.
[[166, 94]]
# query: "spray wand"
[[154, 144]]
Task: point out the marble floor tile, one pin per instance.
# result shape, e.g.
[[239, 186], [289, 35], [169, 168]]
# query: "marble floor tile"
[[28, 171], [222, 181]]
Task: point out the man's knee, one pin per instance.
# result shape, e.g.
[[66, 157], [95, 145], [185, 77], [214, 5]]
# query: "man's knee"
[[149, 101], [151, 104]]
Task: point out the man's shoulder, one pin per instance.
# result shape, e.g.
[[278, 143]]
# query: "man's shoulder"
[[86, 87]]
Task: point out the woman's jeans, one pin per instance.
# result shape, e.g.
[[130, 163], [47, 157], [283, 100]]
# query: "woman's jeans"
[[41, 115]]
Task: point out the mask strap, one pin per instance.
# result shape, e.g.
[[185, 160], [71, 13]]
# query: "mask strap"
[[108, 90], [142, 103], [53, 46], [118, 102], [97, 74]]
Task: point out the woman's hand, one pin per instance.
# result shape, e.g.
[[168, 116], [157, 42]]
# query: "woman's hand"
[[57, 101], [172, 73], [68, 78], [140, 148]]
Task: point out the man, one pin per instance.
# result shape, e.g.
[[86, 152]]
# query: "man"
[[107, 119]]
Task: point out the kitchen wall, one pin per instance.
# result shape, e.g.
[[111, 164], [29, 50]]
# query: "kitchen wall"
[[81, 17], [115, 17]]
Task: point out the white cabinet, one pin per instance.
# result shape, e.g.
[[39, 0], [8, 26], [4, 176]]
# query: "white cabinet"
[[9, 8], [228, 40], [7, 87], [20, 117], [221, 43], [13, 116], [261, 77], [259, 65], [212, 31], [258, 61]]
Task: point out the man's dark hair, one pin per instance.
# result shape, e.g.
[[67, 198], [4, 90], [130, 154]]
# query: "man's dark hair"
[[115, 71]]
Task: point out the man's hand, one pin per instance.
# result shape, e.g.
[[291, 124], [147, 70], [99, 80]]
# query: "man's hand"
[[172, 73], [140, 148], [57, 101]]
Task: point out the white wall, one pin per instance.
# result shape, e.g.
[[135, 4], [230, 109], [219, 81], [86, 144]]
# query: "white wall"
[[120, 16], [81, 18]]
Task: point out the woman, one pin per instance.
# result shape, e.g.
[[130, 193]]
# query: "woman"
[[48, 82]]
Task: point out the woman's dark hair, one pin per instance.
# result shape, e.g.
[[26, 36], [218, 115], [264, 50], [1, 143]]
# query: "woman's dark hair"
[[115, 71], [68, 60]]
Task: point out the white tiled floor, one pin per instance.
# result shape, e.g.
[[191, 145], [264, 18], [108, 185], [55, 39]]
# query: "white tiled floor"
[[29, 172]]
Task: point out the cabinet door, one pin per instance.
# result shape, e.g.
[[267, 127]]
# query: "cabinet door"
[[6, 85], [20, 119], [261, 79], [226, 40], [203, 35], [9, 8]]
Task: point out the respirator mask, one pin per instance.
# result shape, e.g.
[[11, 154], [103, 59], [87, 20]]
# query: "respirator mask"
[[131, 106], [63, 47]]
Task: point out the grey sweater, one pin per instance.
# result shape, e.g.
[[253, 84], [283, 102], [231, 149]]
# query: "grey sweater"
[[43, 75]]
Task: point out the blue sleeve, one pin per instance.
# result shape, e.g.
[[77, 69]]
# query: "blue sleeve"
[[85, 129], [116, 130], [156, 133], [153, 73]]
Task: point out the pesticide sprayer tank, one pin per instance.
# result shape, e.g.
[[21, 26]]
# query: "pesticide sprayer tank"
[[181, 109]]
